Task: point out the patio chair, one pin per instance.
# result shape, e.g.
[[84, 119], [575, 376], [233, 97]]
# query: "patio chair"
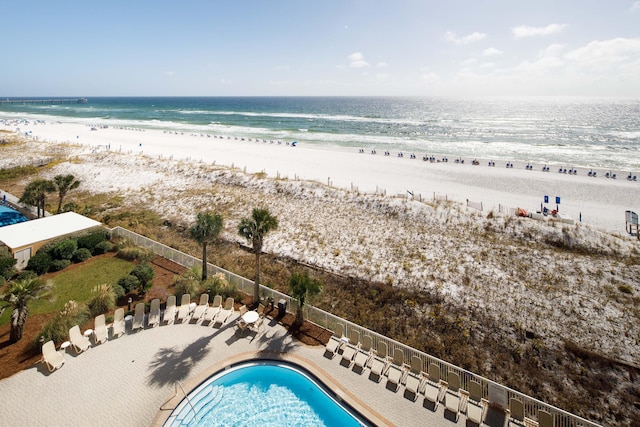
[[201, 308], [154, 313], [364, 353], [170, 310], [100, 329], [225, 312], [117, 328], [51, 357], [380, 361], [452, 396], [335, 342], [475, 405], [545, 419], [79, 342], [183, 310], [432, 385], [211, 312], [415, 377], [258, 324], [516, 412], [138, 317], [395, 372], [351, 348]]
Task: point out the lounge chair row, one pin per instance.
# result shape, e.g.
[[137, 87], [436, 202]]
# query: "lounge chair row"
[[360, 355]]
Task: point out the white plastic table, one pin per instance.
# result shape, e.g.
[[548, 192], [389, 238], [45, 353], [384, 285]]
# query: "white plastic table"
[[88, 333], [64, 345], [250, 317]]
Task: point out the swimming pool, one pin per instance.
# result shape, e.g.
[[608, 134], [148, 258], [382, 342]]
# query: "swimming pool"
[[264, 393], [9, 216]]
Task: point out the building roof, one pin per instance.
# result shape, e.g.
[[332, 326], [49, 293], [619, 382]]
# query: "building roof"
[[37, 230]]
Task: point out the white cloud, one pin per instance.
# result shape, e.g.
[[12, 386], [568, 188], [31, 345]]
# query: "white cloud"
[[357, 60], [492, 51], [551, 50], [382, 65], [635, 7], [470, 38], [527, 31], [170, 73], [606, 54]]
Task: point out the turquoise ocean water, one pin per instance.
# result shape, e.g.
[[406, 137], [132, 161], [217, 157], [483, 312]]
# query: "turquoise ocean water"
[[588, 132]]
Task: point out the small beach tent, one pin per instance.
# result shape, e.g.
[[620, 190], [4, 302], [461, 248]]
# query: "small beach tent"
[[24, 239]]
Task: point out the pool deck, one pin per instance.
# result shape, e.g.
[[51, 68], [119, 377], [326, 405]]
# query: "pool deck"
[[126, 380]]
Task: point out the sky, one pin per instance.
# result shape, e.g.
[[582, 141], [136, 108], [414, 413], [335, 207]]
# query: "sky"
[[329, 47]]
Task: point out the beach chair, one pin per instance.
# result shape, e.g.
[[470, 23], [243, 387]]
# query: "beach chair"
[[201, 308], [364, 354], [183, 310], [51, 357], [154, 313], [351, 348], [79, 342], [432, 385], [225, 312], [241, 325], [169, 314], [395, 372], [335, 342], [100, 329], [380, 361], [138, 317], [213, 310], [545, 419], [415, 376], [516, 412], [452, 396], [117, 328], [475, 405]]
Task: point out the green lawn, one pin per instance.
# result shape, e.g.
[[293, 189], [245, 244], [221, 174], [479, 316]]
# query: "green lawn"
[[77, 284]]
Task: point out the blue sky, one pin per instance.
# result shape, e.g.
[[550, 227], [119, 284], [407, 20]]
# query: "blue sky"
[[343, 47]]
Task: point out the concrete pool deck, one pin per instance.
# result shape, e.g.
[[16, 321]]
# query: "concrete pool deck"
[[127, 380]]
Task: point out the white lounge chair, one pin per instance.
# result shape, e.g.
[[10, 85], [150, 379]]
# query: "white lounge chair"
[[212, 311], [100, 329], [432, 386], [351, 348], [138, 317], [475, 405], [227, 311], [79, 342], [154, 313], [117, 328], [51, 357], [395, 372], [201, 308], [452, 396], [183, 310], [335, 341], [415, 377], [169, 314], [364, 353], [380, 361]]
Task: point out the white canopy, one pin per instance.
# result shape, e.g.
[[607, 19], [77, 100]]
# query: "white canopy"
[[41, 229]]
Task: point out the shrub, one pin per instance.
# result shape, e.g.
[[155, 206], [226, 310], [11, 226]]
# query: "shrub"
[[64, 249], [128, 283], [104, 299], [218, 285], [625, 289], [186, 286], [59, 264], [26, 275], [131, 253], [57, 329], [93, 239], [144, 272], [7, 262], [81, 254], [118, 290], [102, 248], [40, 263]]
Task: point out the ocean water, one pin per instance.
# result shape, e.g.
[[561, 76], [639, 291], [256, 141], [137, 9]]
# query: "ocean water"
[[587, 132]]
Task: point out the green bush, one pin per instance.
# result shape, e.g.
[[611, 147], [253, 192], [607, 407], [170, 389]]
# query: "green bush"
[[7, 262], [93, 239], [26, 275], [186, 286], [129, 283], [64, 249], [40, 263], [145, 274], [57, 329], [218, 285], [102, 248], [59, 264], [119, 291], [104, 300], [131, 253], [81, 254]]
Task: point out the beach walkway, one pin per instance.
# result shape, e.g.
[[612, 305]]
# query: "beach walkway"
[[126, 380]]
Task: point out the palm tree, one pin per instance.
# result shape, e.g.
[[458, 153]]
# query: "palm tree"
[[17, 295], [64, 184], [205, 230], [254, 229], [35, 194], [302, 287]]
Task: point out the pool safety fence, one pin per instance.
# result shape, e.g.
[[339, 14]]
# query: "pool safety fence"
[[496, 394]]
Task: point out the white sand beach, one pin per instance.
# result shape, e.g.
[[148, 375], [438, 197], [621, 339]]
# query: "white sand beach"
[[502, 266]]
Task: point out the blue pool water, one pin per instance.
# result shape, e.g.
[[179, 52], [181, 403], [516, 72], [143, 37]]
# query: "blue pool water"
[[262, 393], [9, 216]]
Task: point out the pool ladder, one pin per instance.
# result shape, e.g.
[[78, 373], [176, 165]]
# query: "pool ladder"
[[176, 385]]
